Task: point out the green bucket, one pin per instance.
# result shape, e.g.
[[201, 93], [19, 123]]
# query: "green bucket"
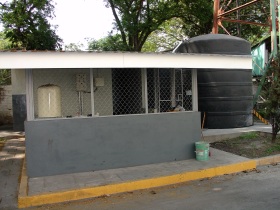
[[202, 151]]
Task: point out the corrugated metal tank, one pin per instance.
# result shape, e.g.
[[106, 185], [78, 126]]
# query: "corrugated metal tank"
[[224, 95]]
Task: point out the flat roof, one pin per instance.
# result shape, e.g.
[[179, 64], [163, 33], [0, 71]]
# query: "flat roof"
[[80, 59]]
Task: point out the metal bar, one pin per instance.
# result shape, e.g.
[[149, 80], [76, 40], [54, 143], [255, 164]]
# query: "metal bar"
[[29, 94], [156, 90], [194, 91], [221, 25], [215, 16], [91, 91], [182, 88], [173, 88], [244, 22], [159, 91], [80, 106], [237, 8], [82, 103], [145, 90]]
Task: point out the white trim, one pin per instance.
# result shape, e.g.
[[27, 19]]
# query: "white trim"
[[39, 60], [194, 91]]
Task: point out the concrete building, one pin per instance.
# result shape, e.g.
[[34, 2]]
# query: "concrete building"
[[90, 111]]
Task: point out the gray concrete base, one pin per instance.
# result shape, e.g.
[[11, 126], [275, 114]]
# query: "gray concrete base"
[[42, 185], [62, 146]]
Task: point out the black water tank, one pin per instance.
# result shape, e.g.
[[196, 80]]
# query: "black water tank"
[[224, 95]]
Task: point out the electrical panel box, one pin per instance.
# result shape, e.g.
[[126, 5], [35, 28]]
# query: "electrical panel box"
[[99, 82], [81, 84]]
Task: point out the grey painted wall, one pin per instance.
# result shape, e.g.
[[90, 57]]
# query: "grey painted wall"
[[19, 111], [60, 146], [18, 99]]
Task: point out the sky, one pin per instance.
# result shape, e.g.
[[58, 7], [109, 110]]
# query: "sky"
[[80, 19]]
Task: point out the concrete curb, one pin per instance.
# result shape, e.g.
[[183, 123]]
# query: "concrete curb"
[[82, 193], [274, 159]]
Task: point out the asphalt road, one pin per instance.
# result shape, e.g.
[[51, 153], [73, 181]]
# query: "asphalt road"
[[258, 189]]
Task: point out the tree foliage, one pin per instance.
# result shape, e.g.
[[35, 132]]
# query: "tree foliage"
[[271, 92], [4, 43], [166, 37], [74, 47], [5, 74], [197, 17], [148, 24], [135, 20], [5, 77], [109, 43], [26, 25]]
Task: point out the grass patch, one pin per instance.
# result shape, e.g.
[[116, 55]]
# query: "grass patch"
[[2, 139], [273, 148], [2, 142], [250, 145], [249, 135]]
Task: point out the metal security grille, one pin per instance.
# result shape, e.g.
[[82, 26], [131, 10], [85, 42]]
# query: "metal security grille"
[[169, 89], [127, 91], [117, 91]]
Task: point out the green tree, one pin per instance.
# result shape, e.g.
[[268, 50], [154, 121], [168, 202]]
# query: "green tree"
[[166, 37], [26, 25], [197, 17], [271, 93], [4, 43], [109, 43], [5, 74], [135, 20], [5, 77], [151, 25], [74, 47]]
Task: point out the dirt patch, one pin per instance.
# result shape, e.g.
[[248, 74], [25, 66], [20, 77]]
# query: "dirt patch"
[[250, 145]]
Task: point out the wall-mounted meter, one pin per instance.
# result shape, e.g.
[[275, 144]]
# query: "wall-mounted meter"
[[99, 82], [81, 84]]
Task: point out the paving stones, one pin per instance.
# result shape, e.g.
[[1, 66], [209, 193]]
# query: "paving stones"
[[11, 158]]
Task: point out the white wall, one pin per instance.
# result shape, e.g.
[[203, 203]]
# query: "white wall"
[[6, 112], [18, 81], [103, 99], [66, 79]]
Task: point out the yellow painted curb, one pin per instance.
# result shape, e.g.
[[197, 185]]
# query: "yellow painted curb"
[[26, 201]]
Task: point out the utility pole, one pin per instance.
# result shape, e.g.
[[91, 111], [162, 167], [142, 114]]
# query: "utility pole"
[[215, 16], [278, 9], [273, 27]]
